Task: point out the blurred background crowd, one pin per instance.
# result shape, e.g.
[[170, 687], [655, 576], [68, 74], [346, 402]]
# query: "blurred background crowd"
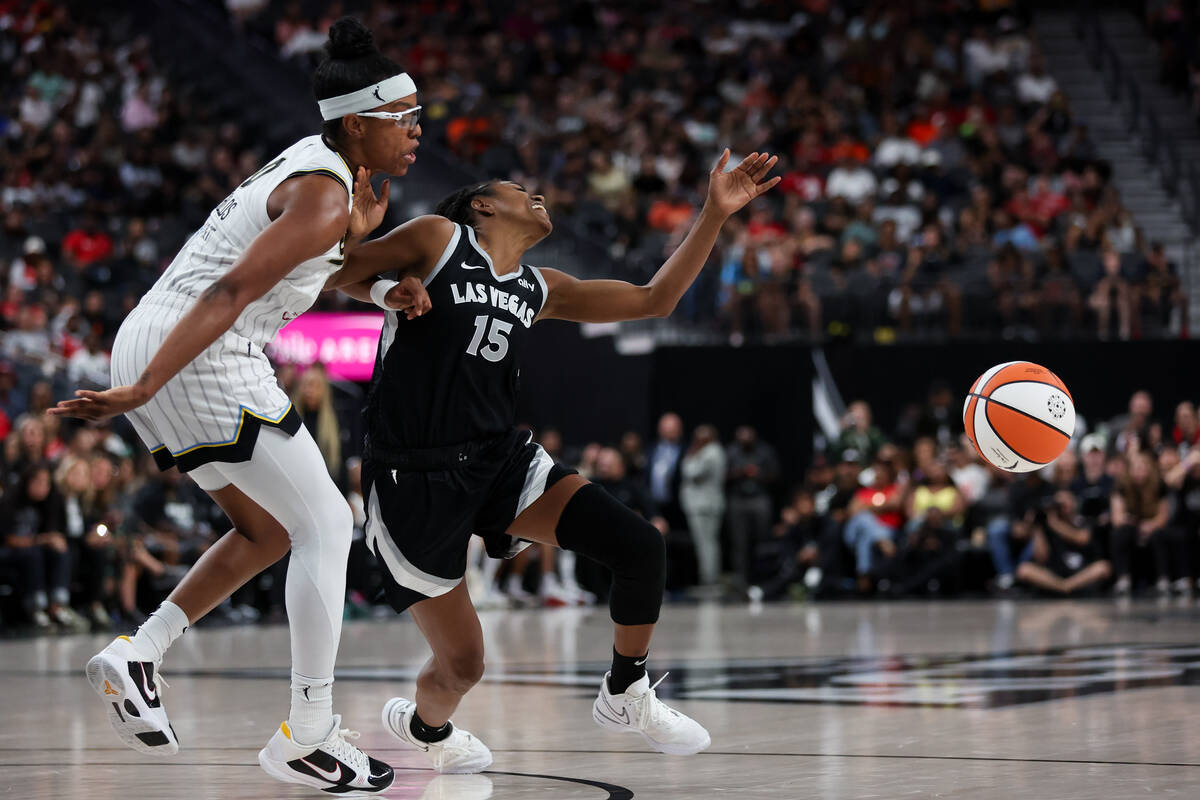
[[93, 533], [935, 185]]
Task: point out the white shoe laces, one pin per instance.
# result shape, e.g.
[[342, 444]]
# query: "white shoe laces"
[[652, 712], [339, 748]]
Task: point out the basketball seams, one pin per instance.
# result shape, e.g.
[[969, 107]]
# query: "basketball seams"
[[1019, 452], [987, 385], [1024, 414]]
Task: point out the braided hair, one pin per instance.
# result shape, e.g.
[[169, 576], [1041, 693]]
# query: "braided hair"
[[456, 207], [352, 62]]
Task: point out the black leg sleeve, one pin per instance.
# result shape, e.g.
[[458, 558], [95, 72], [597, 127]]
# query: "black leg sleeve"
[[597, 525]]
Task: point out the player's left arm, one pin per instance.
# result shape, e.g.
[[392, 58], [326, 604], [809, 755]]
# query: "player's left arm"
[[407, 296], [614, 301]]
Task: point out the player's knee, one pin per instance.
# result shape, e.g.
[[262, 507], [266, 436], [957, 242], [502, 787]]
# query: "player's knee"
[[331, 522], [646, 555], [600, 527], [463, 669]]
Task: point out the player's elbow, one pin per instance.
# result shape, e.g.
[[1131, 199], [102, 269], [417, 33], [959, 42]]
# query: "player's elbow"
[[659, 306]]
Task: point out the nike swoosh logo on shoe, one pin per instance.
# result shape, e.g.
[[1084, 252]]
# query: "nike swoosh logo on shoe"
[[621, 716], [151, 694], [333, 776]]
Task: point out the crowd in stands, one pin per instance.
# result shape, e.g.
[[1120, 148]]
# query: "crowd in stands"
[[1175, 26], [935, 179]]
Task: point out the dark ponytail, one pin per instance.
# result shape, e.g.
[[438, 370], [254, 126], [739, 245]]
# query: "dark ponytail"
[[352, 62], [457, 206]]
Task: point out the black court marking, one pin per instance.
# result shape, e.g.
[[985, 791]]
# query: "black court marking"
[[975, 680]]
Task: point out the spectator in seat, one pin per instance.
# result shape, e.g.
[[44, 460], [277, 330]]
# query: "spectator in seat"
[[753, 469], [314, 401], [1134, 430], [1009, 535], [1112, 294], [930, 561], [1093, 488], [1062, 557], [936, 491], [874, 517], [664, 461], [1140, 513], [35, 540], [858, 433], [802, 552], [1183, 479], [1156, 291], [702, 496], [1186, 433]]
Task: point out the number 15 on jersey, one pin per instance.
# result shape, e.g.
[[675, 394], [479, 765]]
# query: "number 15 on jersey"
[[497, 337]]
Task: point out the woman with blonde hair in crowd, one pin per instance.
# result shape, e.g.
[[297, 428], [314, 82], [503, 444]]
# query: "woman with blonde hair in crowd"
[[1140, 513], [313, 398]]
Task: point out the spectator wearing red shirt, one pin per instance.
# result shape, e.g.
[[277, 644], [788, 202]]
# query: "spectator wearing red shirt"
[[1186, 434], [87, 244], [875, 517]]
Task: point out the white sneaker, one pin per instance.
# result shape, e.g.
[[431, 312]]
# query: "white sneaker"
[[515, 592], [458, 753], [552, 592], [333, 766], [638, 710], [131, 689]]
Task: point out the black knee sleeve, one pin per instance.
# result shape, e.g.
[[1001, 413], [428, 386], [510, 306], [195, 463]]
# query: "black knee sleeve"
[[595, 524]]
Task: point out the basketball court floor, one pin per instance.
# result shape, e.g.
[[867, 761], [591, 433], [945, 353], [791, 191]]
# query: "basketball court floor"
[[987, 700]]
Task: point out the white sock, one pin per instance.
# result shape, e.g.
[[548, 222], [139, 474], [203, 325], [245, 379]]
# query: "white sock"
[[490, 567], [159, 630], [311, 717], [566, 567]]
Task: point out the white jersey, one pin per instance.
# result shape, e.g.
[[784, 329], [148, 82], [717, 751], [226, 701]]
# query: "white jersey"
[[214, 407], [213, 250]]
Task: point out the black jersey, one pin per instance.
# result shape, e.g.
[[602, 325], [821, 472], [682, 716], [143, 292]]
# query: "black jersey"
[[452, 374]]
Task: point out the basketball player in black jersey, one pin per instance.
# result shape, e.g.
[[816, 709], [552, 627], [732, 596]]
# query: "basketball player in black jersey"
[[443, 459]]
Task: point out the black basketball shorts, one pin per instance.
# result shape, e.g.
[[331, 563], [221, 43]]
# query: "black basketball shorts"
[[424, 505]]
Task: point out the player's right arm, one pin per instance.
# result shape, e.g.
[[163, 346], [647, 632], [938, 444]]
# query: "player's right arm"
[[411, 249], [312, 217]]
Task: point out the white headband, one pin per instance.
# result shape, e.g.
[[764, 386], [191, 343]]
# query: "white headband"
[[379, 94]]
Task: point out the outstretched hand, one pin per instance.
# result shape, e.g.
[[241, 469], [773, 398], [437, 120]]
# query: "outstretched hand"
[[409, 297], [368, 210], [98, 406], [729, 191]]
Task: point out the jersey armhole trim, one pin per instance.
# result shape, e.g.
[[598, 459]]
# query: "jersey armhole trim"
[[451, 246], [320, 171], [537, 273]]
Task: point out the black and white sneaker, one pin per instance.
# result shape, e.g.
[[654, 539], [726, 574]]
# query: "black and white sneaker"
[[131, 688], [333, 766]]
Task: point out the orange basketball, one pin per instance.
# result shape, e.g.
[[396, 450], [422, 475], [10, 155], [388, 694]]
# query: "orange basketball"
[[1019, 416]]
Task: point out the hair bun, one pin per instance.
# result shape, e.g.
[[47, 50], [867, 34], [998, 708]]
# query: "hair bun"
[[349, 39]]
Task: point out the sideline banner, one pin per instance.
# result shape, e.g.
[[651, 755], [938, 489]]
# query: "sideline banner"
[[344, 342]]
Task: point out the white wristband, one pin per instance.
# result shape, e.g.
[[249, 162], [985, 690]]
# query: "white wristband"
[[379, 291]]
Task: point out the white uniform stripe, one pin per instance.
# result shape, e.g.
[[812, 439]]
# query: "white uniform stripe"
[[449, 249], [535, 478], [403, 570], [537, 273], [203, 404]]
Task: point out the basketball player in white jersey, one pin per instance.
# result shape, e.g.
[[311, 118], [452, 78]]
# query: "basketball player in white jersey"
[[189, 371]]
